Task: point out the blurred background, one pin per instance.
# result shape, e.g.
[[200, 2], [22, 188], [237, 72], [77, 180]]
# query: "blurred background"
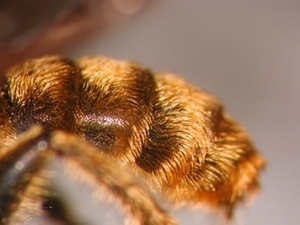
[[247, 53]]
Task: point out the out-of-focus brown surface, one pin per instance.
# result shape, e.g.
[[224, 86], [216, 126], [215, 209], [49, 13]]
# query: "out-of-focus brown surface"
[[37, 27]]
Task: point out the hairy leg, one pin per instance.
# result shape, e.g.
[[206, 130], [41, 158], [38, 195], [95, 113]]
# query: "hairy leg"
[[22, 182]]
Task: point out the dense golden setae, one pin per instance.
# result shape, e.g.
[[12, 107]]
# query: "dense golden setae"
[[176, 136]]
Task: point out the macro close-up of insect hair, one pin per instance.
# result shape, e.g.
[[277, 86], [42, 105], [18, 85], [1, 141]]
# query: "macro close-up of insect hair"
[[88, 139], [116, 123]]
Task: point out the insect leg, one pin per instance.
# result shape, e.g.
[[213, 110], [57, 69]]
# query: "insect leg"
[[106, 175], [109, 176], [18, 166]]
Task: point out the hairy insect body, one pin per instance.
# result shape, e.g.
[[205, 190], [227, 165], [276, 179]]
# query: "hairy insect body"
[[178, 137]]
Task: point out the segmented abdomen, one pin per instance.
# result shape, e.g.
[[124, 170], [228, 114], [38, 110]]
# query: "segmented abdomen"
[[168, 130]]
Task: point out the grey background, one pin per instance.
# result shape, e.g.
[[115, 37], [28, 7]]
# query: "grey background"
[[245, 52]]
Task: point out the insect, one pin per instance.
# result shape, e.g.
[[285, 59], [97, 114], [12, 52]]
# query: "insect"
[[105, 116]]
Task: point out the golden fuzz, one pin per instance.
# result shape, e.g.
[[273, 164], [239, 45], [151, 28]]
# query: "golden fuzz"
[[176, 136]]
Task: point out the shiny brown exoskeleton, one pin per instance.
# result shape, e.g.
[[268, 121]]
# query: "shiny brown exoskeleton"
[[174, 135]]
